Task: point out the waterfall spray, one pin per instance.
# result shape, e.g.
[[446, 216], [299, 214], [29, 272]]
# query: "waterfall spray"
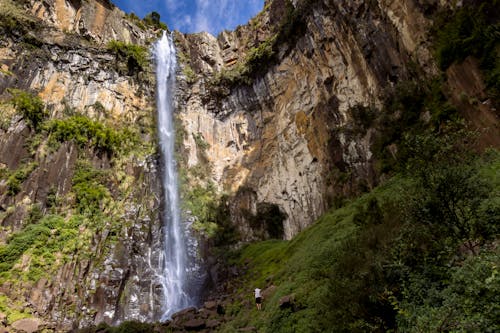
[[176, 263]]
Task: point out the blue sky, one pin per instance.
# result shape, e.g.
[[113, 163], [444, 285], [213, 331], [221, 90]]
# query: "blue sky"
[[196, 15]]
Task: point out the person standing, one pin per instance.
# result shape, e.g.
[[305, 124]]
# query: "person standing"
[[258, 299]]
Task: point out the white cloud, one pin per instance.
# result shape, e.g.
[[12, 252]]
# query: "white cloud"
[[216, 15], [173, 5]]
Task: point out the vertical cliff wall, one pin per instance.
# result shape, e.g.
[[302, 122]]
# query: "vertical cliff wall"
[[88, 171], [279, 137]]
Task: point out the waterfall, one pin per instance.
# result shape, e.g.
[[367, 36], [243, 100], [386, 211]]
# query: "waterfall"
[[178, 267]]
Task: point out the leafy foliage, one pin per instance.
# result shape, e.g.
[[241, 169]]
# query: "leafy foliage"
[[402, 117], [468, 302], [15, 180], [90, 194], [153, 20], [397, 258], [471, 31], [90, 133], [30, 106], [291, 26], [202, 202], [135, 56], [40, 236], [125, 327]]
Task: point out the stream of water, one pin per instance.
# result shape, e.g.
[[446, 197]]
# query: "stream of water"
[[176, 264]]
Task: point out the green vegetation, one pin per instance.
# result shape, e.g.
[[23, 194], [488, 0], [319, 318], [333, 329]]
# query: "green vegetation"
[[15, 181], [153, 20], [471, 31], [13, 17], [202, 202], [200, 142], [189, 73], [412, 255], [125, 327], [402, 117], [187, 70], [291, 26], [30, 106], [86, 132], [135, 56], [50, 234], [136, 20], [91, 195], [13, 312]]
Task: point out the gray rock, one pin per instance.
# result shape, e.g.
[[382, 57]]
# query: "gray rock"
[[27, 325], [194, 324]]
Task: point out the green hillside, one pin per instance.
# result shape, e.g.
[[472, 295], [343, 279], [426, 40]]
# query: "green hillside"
[[402, 255]]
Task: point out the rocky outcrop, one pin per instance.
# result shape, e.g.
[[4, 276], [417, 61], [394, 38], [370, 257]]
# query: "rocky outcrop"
[[100, 20], [279, 140], [110, 275]]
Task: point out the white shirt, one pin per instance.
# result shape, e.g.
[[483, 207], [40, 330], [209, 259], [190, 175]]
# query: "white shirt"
[[257, 292]]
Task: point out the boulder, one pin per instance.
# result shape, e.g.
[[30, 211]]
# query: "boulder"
[[212, 323], [194, 324], [210, 305], [27, 325], [185, 313], [269, 291], [286, 301]]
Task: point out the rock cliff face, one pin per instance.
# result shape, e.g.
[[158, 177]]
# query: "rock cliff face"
[[278, 139], [265, 114], [110, 276]]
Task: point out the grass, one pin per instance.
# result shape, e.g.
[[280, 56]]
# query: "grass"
[[341, 270]]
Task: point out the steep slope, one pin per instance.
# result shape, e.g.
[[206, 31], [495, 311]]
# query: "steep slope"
[[79, 190], [359, 268]]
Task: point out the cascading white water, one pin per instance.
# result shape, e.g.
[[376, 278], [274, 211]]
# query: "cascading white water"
[[176, 263]]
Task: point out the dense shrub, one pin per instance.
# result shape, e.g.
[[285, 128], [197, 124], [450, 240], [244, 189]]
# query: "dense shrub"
[[400, 258], [153, 20], [125, 327], [402, 116], [135, 56], [32, 235], [30, 106], [86, 132], [467, 302], [20, 242], [91, 194], [40, 242], [471, 31]]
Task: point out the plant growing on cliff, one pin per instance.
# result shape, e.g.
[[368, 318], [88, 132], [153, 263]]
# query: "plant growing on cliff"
[[15, 181], [153, 20], [471, 31], [91, 195], [30, 106], [202, 202], [259, 58], [135, 56], [86, 132]]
